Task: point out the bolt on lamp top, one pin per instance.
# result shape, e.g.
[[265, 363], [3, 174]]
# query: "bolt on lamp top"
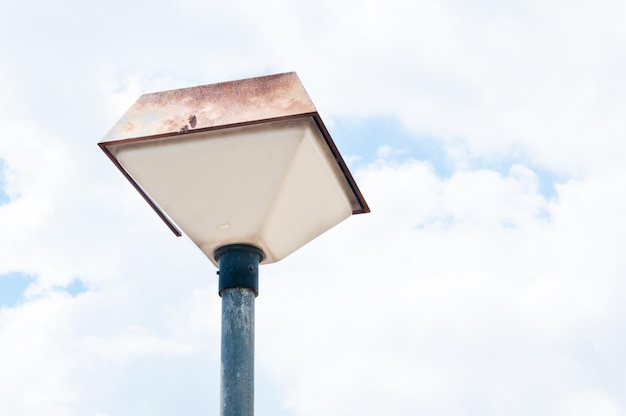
[[240, 162]]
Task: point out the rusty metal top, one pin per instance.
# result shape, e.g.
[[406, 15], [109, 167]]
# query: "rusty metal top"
[[212, 106]]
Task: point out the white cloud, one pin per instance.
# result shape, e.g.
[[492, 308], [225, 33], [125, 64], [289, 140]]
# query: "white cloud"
[[470, 316], [468, 294]]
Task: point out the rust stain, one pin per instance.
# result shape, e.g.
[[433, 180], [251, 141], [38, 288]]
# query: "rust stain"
[[128, 126], [263, 90], [170, 124], [214, 105]]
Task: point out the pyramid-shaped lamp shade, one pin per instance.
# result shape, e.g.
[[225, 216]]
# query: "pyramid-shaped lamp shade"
[[241, 162]]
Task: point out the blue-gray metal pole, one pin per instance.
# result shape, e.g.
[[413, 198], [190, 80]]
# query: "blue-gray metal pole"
[[238, 287]]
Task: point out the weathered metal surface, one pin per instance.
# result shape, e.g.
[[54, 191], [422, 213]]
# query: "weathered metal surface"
[[237, 381], [212, 106], [238, 271]]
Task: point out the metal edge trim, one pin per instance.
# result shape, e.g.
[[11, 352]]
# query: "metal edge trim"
[[342, 164], [145, 196]]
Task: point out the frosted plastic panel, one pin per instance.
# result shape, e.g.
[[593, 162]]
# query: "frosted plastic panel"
[[269, 185]]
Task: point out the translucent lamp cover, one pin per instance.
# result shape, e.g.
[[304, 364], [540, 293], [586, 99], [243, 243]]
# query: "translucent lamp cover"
[[275, 182]]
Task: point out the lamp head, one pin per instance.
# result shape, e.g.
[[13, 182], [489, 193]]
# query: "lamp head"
[[240, 162]]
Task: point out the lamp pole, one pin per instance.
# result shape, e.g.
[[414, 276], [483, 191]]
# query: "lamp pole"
[[238, 287], [257, 139]]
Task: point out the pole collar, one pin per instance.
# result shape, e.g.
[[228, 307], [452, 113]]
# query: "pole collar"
[[239, 267]]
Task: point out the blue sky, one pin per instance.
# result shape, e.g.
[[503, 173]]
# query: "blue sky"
[[363, 140], [14, 285], [487, 280], [4, 198]]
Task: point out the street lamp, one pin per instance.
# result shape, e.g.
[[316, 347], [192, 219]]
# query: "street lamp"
[[247, 170]]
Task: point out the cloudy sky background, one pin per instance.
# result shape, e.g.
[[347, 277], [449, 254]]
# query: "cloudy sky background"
[[489, 279]]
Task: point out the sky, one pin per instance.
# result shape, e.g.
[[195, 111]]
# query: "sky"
[[487, 137]]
